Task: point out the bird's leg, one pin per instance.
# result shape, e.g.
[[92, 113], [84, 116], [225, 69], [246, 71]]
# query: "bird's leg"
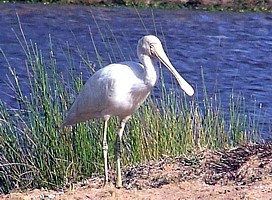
[[118, 152], [105, 151]]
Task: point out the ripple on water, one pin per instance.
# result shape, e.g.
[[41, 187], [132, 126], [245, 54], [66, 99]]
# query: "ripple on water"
[[233, 48]]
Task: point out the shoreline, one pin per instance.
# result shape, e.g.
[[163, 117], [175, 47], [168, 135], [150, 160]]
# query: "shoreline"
[[243, 171], [211, 5]]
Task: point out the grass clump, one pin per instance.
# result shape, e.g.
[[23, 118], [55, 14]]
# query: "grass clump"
[[36, 152]]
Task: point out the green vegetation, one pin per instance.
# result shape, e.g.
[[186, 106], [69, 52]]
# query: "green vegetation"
[[211, 5], [37, 152]]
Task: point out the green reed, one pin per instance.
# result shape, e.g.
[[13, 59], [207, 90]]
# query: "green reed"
[[37, 152]]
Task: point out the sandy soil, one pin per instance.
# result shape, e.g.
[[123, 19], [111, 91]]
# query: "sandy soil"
[[241, 173]]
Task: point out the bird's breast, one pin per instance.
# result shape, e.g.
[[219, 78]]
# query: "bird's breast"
[[126, 89], [125, 97]]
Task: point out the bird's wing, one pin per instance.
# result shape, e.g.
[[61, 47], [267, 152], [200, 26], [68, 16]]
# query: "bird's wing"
[[90, 101], [107, 90]]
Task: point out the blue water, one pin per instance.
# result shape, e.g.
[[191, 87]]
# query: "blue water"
[[234, 49]]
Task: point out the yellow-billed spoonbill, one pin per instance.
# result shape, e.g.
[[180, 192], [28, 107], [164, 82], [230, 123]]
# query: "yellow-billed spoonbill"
[[119, 90]]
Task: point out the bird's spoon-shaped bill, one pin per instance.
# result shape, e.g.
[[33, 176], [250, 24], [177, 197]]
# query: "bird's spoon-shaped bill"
[[160, 54]]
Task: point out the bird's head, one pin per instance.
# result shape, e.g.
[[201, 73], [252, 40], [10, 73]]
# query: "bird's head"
[[148, 44], [151, 46]]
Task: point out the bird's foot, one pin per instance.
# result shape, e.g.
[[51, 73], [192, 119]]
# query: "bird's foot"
[[118, 184], [108, 191], [108, 184]]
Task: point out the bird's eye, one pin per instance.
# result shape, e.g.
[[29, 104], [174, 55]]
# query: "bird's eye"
[[151, 46]]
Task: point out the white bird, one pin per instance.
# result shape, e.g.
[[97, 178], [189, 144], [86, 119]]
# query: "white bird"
[[119, 90]]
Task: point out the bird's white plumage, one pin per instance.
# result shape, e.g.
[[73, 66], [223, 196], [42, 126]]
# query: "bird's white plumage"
[[119, 89], [109, 93]]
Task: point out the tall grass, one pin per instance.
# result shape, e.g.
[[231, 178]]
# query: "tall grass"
[[36, 152]]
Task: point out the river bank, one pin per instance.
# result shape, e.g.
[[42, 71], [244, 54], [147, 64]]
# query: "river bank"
[[231, 47], [254, 5], [243, 172], [215, 5]]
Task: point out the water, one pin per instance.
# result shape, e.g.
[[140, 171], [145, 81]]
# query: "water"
[[234, 49]]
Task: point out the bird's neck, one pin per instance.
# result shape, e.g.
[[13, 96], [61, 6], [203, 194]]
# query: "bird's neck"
[[151, 70]]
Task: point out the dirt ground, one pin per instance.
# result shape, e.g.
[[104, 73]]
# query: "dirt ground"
[[244, 172]]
